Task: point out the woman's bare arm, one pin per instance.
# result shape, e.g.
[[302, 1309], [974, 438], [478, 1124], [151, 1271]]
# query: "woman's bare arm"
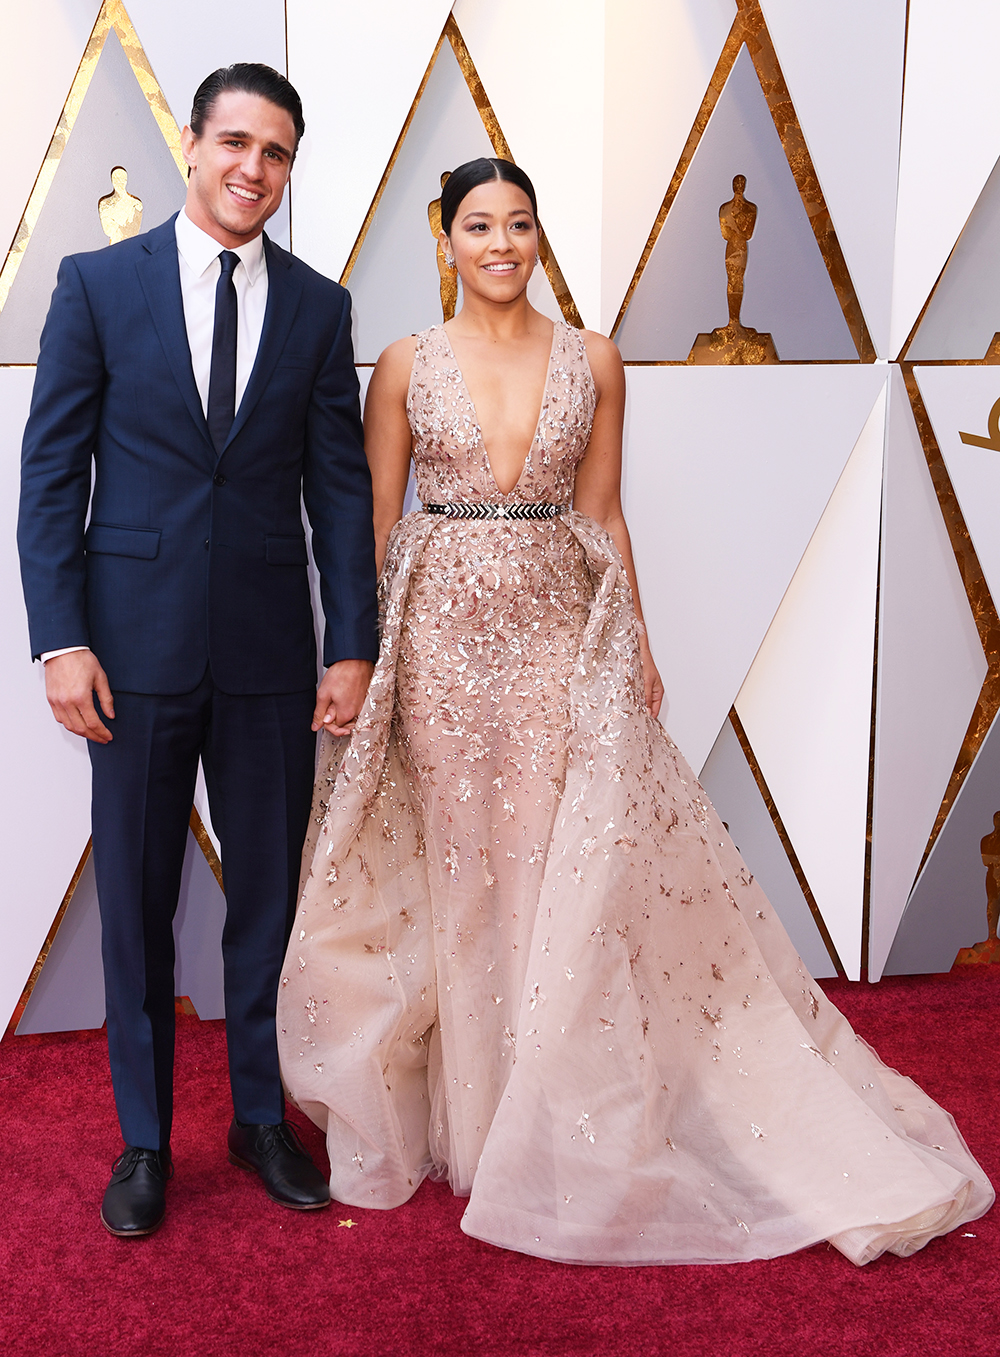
[[599, 482], [388, 440]]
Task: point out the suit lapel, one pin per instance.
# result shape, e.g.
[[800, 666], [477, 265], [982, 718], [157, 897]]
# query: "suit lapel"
[[160, 282], [283, 293]]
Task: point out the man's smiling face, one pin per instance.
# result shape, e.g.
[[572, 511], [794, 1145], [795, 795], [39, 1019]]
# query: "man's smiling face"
[[239, 166]]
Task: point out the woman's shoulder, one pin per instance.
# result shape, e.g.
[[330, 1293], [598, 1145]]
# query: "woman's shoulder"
[[604, 359], [599, 348], [396, 362]]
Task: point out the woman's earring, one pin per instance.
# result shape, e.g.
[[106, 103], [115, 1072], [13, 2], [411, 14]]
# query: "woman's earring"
[[538, 259], [449, 259]]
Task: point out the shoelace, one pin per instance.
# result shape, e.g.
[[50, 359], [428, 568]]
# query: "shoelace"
[[156, 1159], [285, 1133]]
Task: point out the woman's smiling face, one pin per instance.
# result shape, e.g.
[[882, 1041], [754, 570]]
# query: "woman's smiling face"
[[494, 239]]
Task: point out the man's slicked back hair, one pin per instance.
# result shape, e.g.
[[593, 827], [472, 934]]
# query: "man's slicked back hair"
[[247, 77]]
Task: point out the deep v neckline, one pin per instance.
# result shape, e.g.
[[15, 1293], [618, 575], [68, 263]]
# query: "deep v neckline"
[[475, 412]]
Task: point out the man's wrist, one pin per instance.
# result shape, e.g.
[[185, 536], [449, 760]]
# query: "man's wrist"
[[47, 655]]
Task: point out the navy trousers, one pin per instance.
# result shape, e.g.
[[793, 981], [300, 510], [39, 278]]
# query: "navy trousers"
[[258, 754]]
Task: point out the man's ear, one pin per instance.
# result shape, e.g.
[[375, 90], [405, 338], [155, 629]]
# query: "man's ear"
[[189, 143]]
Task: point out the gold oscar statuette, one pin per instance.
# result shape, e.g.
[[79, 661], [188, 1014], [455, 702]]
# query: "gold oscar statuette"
[[120, 212], [735, 343], [987, 952]]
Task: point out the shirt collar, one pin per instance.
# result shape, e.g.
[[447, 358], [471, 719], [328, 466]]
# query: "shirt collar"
[[199, 250]]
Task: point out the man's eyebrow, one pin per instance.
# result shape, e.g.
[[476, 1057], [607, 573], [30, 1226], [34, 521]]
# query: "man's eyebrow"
[[226, 133]]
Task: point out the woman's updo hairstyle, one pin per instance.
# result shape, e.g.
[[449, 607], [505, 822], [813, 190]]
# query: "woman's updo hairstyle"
[[482, 171]]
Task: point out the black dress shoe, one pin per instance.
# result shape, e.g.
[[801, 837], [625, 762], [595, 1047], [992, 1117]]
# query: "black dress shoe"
[[282, 1163], [135, 1200]]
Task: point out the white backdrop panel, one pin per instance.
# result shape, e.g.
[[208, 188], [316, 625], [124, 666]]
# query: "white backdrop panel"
[[947, 907], [806, 704], [114, 127], [727, 473], [357, 73], [180, 66], [730, 783], [930, 669], [39, 55], [395, 285], [659, 58], [964, 312], [843, 65], [543, 72], [949, 144], [45, 821]]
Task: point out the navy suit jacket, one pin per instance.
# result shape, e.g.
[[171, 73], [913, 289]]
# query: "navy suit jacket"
[[191, 558]]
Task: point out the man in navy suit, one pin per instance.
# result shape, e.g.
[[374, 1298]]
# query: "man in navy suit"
[[207, 380]]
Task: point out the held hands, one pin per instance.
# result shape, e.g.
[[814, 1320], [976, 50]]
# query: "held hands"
[[70, 684], [341, 695], [652, 682]]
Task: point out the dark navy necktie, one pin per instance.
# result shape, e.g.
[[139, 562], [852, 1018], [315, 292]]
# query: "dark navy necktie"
[[222, 382]]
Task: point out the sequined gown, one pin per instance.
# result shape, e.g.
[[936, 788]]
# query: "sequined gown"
[[528, 957]]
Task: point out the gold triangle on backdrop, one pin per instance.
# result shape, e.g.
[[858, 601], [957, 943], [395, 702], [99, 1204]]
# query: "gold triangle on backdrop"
[[453, 36], [981, 602], [750, 30], [112, 18]]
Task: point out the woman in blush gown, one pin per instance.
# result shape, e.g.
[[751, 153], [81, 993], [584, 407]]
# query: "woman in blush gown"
[[527, 957]]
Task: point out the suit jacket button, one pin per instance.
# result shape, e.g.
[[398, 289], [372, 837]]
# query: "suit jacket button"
[[219, 479], [206, 543]]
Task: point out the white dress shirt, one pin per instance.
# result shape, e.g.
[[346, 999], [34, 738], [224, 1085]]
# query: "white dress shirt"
[[198, 259], [198, 263]]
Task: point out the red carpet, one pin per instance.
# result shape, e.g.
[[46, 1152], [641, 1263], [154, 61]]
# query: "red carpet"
[[232, 1275]]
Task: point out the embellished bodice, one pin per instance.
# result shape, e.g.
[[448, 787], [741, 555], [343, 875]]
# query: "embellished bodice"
[[449, 453]]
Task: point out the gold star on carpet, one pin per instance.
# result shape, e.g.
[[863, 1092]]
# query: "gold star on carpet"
[[346, 1224]]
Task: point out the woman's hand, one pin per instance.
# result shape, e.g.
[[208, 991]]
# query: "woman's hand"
[[341, 696], [652, 682]]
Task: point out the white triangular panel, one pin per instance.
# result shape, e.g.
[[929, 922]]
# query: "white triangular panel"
[[787, 289], [543, 72], [930, 670], [45, 791], [357, 74], [395, 282], [181, 66], [68, 995], [848, 103], [806, 702], [950, 142], [659, 58], [729, 781], [959, 401], [114, 126], [947, 908], [41, 50], [963, 315], [727, 473]]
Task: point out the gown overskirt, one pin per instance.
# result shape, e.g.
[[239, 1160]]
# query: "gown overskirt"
[[528, 957]]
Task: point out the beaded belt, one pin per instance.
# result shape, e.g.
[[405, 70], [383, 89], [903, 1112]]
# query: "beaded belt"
[[465, 508]]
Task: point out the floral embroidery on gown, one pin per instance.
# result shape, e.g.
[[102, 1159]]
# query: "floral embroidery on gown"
[[528, 957]]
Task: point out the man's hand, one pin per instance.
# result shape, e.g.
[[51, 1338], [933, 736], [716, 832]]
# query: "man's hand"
[[70, 684], [341, 695]]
